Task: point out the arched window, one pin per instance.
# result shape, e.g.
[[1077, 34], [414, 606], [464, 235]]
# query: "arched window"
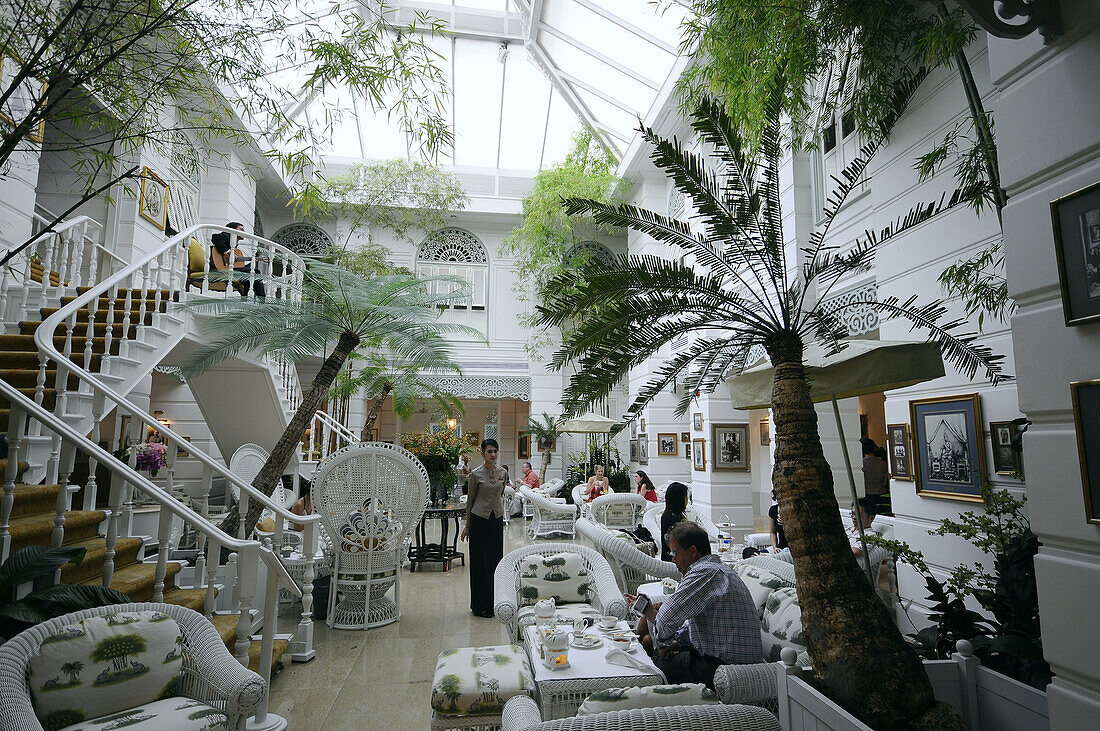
[[303, 239], [456, 253], [594, 249]]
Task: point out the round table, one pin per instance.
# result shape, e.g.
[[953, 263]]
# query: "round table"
[[423, 552]]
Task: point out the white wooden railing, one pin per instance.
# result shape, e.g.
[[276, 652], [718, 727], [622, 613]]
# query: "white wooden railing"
[[326, 435]]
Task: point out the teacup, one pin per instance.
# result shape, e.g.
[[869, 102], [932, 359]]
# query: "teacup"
[[622, 642], [608, 622]]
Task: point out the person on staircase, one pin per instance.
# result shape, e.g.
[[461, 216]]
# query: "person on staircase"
[[221, 260]]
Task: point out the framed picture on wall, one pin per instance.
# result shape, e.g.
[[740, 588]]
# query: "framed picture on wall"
[[666, 445], [1076, 219], [634, 429], [687, 452], [643, 424], [949, 449], [524, 450], [1004, 435], [643, 449], [1086, 421], [897, 449], [153, 203], [697, 422], [181, 452], [699, 455], [685, 437], [634, 450], [22, 100], [765, 432], [731, 446]]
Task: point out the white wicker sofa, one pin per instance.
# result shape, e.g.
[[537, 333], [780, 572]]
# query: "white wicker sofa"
[[522, 712], [618, 509], [631, 566], [211, 674], [549, 517], [604, 595]]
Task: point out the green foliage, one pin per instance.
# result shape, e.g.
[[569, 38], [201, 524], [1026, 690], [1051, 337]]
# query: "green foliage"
[[1008, 637], [368, 260], [546, 234], [398, 195], [543, 428], [980, 281], [118, 648]]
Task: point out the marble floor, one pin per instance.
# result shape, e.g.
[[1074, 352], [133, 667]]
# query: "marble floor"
[[381, 678]]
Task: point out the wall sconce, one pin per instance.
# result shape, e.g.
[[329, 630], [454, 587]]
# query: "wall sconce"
[[992, 15], [161, 418], [452, 423]]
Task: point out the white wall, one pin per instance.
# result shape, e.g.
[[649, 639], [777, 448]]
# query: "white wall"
[[1048, 132]]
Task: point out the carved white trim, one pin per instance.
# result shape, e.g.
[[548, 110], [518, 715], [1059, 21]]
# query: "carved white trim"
[[861, 319], [593, 248], [185, 158], [453, 244], [514, 387], [303, 239], [170, 371], [677, 204]]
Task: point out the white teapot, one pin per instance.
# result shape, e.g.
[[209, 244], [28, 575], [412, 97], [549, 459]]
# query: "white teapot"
[[556, 640], [546, 608]]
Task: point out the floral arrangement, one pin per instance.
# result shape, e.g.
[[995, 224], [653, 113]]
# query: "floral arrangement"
[[444, 443], [150, 456]]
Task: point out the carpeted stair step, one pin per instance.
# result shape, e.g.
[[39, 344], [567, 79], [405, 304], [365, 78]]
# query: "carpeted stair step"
[[34, 500], [190, 598], [49, 396], [80, 330], [101, 315], [137, 580], [20, 468], [28, 359], [28, 377], [226, 624], [102, 303], [126, 551], [25, 343], [37, 530], [37, 270]]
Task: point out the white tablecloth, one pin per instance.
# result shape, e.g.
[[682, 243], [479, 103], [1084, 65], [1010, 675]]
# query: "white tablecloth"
[[587, 663]]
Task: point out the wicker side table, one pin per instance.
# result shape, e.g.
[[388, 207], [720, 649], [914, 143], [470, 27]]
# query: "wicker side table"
[[560, 697]]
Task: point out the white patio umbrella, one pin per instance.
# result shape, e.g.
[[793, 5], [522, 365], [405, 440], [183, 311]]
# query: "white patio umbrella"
[[589, 423], [863, 367]]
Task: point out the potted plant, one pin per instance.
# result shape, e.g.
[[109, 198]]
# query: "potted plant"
[[439, 453]]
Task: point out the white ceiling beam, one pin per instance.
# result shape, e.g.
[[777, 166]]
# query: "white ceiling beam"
[[540, 57], [627, 25], [601, 57], [602, 95]]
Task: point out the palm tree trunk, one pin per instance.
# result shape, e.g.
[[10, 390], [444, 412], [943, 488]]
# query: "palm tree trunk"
[[375, 408], [542, 469], [284, 449], [859, 656]]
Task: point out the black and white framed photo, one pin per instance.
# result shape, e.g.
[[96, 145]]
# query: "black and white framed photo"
[[685, 437], [1006, 460], [731, 446], [697, 422], [1076, 219], [643, 449], [634, 450], [153, 203], [666, 445], [897, 448], [765, 432], [949, 458], [1086, 421], [524, 447], [634, 429], [547, 444], [699, 455]]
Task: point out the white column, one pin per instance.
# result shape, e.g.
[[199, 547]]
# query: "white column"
[[723, 492]]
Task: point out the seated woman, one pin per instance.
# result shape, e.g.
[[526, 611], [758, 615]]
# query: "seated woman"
[[644, 486], [597, 484], [676, 497], [302, 506], [221, 261]]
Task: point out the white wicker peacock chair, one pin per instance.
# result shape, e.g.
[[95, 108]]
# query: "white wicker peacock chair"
[[370, 497], [632, 567]]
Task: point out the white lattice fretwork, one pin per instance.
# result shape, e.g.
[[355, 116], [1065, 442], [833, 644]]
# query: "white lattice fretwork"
[[676, 203], [859, 317], [185, 158], [453, 244], [515, 387], [304, 239], [594, 249]]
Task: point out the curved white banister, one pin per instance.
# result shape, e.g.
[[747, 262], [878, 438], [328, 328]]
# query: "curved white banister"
[[324, 431], [43, 338]]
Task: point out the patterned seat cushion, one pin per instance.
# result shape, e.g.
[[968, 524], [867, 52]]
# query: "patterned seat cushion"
[[781, 625], [477, 681], [761, 583], [562, 576], [566, 613], [653, 696], [106, 664], [177, 714]]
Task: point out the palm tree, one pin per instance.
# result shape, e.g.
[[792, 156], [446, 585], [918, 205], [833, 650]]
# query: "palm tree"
[[743, 291], [544, 430], [380, 376], [72, 669], [395, 314]]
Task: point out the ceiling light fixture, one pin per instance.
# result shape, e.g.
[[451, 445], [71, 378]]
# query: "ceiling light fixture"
[[502, 52]]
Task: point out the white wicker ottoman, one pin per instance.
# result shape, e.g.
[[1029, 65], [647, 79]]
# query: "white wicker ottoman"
[[472, 684]]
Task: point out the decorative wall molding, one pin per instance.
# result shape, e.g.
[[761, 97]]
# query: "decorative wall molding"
[[185, 158], [676, 203], [453, 244], [860, 319], [170, 371], [594, 249], [303, 239], [476, 387]]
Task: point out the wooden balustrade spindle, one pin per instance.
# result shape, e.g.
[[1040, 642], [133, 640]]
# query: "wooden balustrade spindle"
[[164, 534], [213, 557], [16, 424]]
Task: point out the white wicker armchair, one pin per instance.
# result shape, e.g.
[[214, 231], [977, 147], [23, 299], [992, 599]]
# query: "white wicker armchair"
[[553, 486], [522, 712], [210, 672], [580, 499], [370, 496], [618, 509], [632, 567], [605, 595], [549, 517]]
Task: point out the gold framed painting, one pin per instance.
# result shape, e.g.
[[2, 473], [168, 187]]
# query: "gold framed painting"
[[949, 447], [699, 455], [731, 446], [524, 450], [1086, 422], [153, 202], [666, 444], [24, 99]]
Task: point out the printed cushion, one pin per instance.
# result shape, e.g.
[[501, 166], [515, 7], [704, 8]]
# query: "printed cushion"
[[106, 664], [177, 714], [563, 577], [653, 696], [781, 625], [649, 548], [567, 613], [476, 681], [761, 583]]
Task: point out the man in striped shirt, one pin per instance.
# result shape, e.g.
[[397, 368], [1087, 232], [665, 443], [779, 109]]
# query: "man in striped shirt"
[[710, 619]]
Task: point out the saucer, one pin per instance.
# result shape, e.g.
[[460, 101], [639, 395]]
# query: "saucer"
[[587, 642]]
